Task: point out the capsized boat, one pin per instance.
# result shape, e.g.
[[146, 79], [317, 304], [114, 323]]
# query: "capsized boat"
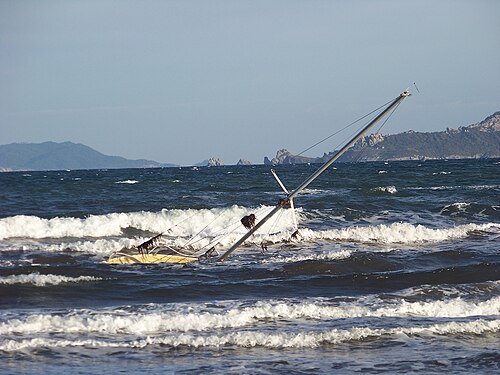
[[151, 251]]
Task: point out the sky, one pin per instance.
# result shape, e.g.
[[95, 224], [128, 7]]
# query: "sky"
[[182, 81]]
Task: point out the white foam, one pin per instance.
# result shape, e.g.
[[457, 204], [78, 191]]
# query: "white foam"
[[127, 182], [460, 206], [267, 339], [330, 255], [101, 247], [386, 189], [147, 321], [190, 226], [398, 233], [179, 224], [314, 191], [37, 279]]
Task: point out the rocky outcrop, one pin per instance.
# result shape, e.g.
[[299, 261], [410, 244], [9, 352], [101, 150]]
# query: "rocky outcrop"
[[370, 140], [489, 124], [243, 162], [214, 162], [481, 140], [284, 156]]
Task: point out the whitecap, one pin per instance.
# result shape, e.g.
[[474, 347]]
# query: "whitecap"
[[37, 279], [397, 233], [127, 182], [225, 221], [153, 319], [331, 255], [386, 189], [266, 339]]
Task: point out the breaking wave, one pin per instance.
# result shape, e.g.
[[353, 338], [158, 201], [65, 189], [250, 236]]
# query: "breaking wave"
[[303, 339], [37, 279], [398, 233], [165, 221], [386, 189], [131, 182], [330, 255], [151, 319], [104, 234]]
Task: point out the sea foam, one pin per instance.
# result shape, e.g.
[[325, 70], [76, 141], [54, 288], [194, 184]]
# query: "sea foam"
[[181, 223], [330, 255], [37, 279], [398, 233], [156, 319], [267, 339], [181, 227], [131, 182]]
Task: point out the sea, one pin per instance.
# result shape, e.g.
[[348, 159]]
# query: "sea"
[[395, 269]]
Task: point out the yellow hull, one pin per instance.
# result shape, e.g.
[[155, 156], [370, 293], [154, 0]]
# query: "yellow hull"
[[150, 258]]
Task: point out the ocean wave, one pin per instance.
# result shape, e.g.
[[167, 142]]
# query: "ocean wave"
[[95, 247], [330, 255], [182, 223], [459, 187], [468, 209], [397, 233], [386, 189], [131, 182], [37, 279], [189, 227], [248, 339], [309, 191], [156, 320]]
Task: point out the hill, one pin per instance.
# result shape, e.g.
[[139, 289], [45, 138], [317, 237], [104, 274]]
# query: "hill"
[[481, 140], [66, 155]]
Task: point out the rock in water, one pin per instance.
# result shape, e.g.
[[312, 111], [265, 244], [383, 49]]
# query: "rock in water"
[[215, 162]]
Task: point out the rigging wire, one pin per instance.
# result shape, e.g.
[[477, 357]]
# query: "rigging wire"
[[345, 127], [267, 235], [358, 129], [363, 150], [273, 225], [218, 235], [205, 227], [180, 222], [388, 117]]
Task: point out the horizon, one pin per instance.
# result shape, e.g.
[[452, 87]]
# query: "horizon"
[[183, 81], [174, 164]]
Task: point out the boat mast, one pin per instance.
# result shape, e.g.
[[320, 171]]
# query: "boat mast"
[[283, 202]]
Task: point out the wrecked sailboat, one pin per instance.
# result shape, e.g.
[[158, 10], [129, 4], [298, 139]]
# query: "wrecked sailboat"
[[153, 251]]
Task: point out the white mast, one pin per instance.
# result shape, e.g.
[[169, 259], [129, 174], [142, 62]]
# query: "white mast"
[[283, 202]]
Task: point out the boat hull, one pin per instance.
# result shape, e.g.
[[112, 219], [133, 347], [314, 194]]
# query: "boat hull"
[[150, 258]]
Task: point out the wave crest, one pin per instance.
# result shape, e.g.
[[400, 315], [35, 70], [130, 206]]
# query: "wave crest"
[[37, 279]]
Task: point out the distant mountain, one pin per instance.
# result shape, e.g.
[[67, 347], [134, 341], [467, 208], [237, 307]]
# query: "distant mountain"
[[481, 140], [66, 155]]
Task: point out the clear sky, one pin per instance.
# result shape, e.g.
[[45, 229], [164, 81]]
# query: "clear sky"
[[182, 81]]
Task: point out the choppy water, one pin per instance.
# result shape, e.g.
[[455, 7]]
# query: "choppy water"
[[396, 270]]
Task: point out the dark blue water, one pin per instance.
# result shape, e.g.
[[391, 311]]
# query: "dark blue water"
[[396, 269]]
